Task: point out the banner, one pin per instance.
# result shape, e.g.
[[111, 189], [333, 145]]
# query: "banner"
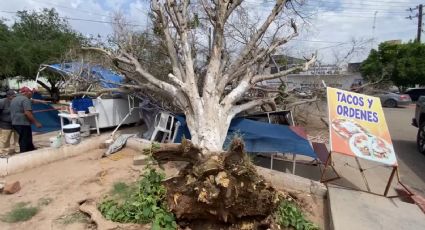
[[358, 128]]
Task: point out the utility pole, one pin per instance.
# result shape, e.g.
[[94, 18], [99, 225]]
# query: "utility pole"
[[419, 15], [420, 23], [373, 30]]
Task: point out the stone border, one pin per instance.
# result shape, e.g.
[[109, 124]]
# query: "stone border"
[[23, 161]]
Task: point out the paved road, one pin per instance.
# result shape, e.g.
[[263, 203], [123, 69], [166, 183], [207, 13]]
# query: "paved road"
[[411, 162]]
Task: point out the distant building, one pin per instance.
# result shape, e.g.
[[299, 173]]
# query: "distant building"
[[393, 42], [332, 75]]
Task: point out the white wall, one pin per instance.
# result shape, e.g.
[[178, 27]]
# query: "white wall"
[[337, 81], [16, 83]]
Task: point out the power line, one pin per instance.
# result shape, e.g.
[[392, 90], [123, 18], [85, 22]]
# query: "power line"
[[369, 3], [80, 19], [379, 3], [70, 8], [351, 7], [359, 13]]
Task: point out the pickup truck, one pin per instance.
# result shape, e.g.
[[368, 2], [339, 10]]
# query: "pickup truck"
[[419, 121]]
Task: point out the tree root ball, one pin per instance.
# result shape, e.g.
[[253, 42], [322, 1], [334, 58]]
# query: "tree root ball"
[[223, 187]]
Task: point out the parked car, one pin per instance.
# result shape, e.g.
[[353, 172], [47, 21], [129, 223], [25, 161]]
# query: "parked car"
[[392, 100], [419, 121], [415, 93]]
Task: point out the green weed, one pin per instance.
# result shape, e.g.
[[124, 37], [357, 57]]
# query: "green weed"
[[121, 190], [143, 203], [289, 215]]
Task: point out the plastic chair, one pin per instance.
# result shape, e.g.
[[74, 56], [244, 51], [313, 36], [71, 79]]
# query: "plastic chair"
[[164, 122]]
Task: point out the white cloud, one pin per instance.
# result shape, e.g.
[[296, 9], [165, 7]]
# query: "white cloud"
[[333, 21]]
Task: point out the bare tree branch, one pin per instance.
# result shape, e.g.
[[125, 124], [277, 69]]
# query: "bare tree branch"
[[277, 9], [264, 77], [171, 46], [249, 105]]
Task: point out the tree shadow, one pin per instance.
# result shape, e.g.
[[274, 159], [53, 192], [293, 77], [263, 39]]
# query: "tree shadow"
[[411, 162]]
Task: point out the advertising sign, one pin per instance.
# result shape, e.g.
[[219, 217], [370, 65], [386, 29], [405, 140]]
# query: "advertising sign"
[[358, 128]]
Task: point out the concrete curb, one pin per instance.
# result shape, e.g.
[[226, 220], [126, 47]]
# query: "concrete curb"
[[23, 161], [3, 166], [286, 181], [138, 144]]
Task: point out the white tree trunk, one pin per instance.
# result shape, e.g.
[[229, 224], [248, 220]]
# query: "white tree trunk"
[[209, 126]]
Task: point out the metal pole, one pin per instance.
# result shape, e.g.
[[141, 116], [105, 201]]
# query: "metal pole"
[[294, 159], [271, 162]]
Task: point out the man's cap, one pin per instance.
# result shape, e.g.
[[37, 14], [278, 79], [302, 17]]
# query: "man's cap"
[[25, 90], [10, 93]]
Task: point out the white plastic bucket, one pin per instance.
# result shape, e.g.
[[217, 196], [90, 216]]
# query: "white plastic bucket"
[[85, 130], [72, 133], [55, 142]]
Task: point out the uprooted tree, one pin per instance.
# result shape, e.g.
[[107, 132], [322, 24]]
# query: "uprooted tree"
[[215, 184]]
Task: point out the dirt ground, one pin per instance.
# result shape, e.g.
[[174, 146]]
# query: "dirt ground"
[[65, 183]]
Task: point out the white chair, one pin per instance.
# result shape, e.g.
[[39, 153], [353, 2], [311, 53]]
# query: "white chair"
[[164, 122]]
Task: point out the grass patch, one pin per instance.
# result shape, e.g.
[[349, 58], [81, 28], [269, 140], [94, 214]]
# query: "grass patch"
[[20, 212], [120, 189], [288, 214], [75, 217]]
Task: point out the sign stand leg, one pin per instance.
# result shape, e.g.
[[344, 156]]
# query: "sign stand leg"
[[387, 188], [363, 175], [328, 163]]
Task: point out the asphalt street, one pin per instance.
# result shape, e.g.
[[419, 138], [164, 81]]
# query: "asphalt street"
[[411, 162]]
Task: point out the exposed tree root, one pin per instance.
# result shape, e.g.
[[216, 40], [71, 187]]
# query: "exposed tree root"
[[222, 187], [178, 152]]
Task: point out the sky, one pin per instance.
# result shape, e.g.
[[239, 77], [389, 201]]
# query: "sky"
[[329, 27]]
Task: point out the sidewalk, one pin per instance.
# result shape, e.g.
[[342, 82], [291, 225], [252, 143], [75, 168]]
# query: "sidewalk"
[[350, 209]]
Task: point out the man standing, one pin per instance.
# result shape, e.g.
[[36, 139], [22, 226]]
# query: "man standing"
[[6, 131], [22, 117]]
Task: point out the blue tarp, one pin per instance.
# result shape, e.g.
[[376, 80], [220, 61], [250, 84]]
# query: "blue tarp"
[[46, 115], [97, 71], [260, 137]]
